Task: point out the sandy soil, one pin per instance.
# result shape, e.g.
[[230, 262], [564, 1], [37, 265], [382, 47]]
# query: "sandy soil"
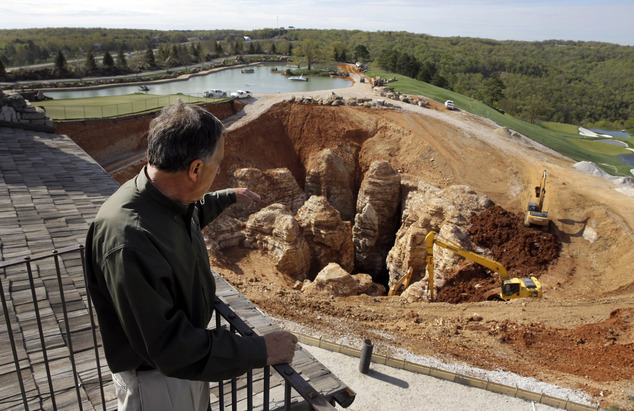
[[580, 335]]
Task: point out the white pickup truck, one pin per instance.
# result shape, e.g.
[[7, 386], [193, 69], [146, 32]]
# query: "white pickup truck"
[[214, 94], [449, 105], [241, 94]]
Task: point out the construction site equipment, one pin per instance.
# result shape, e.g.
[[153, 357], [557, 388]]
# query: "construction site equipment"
[[404, 281], [510, 287], [535, 214]]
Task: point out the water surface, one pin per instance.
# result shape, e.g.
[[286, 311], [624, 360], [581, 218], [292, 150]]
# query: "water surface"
[[261, 81]]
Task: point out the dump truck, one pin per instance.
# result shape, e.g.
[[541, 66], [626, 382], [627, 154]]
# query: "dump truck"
[[510, 288], [535, 214]]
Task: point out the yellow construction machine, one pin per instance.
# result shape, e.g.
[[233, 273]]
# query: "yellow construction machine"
[[535, 214], [510, 288]]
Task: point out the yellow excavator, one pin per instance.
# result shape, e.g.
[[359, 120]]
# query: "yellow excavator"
[[510, 288], [535, 214]]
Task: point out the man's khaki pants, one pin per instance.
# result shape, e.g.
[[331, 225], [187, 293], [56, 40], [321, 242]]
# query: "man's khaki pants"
[[152, 391]]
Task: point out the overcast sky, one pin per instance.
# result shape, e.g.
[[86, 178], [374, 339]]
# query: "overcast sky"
[[588, 20]]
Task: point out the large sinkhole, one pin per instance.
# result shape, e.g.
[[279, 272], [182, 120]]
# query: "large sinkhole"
[[335, 191]]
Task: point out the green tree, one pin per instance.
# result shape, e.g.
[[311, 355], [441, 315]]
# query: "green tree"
[[90, 65], [60, 62], [491, 90], [148, 58], [122, 63], [361, 53], [309, 49], [273, 49], [108, 61], [3, 71]]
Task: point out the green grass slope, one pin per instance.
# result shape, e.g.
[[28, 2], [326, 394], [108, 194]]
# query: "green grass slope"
[[563, 138]]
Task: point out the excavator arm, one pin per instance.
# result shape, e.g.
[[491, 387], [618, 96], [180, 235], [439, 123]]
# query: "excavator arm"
[[511, 287]]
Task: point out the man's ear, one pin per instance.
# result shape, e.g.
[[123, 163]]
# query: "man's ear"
[[195, 168]]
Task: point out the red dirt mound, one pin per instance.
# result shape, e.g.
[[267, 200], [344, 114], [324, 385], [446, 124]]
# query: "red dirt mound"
[[523, 251]]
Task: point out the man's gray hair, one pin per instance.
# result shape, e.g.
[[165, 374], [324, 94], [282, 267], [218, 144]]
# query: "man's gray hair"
[[180, 134]]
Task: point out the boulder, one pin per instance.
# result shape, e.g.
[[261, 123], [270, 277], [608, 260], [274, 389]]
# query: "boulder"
[[275, 186], [329, 238], [275, 231], [336, 281], [332, 176], [225, 231]]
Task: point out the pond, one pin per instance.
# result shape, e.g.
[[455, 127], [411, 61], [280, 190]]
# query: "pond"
[[263, 80], [610, 133]]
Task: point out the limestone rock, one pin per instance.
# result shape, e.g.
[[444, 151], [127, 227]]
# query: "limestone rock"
[[275, 186], [425, 209], [365, 234], [380, 188], [336, 281], [329, 238], [225, 231], [367, 286], [416, 292], [331, 176], [275, 231]]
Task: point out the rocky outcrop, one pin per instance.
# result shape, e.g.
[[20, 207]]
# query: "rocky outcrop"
[[275, 231], [329, 238], [380, 189], [336, 281], [275, 186], [365, 234], [331, 176], [225, 231], [15, 111], [445, 211]]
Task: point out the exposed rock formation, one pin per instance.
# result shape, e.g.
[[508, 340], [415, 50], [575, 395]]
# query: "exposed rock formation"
[[380, 188], [331, 176], [427, 209], [329, 238], [336, 281], [225, 231], [18, 112], [275, 231], [275, 186], [365, 234]]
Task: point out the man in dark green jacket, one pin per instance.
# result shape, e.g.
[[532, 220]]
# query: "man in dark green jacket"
[[149, 277]]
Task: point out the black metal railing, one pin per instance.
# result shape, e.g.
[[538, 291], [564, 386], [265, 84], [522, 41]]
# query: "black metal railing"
[[55, 359]]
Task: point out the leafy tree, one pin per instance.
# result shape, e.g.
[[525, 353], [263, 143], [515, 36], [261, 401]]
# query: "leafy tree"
[[309, 49], [60, 62], [108, 61], [90, 65], [492, 90], [273, 49], [148, 58], [3, 71], [122, 63], [289, 50], [361, 53], [218, 48]]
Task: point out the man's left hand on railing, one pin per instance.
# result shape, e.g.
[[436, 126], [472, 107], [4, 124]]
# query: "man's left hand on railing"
[[280, 347]]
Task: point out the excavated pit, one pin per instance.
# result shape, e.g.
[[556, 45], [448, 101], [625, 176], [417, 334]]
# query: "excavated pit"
[[579, 335]]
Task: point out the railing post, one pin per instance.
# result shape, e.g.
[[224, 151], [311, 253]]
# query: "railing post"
[[41, 332], [16, 360], [71, 354]]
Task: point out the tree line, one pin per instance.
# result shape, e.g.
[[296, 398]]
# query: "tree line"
[[585, 83]]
